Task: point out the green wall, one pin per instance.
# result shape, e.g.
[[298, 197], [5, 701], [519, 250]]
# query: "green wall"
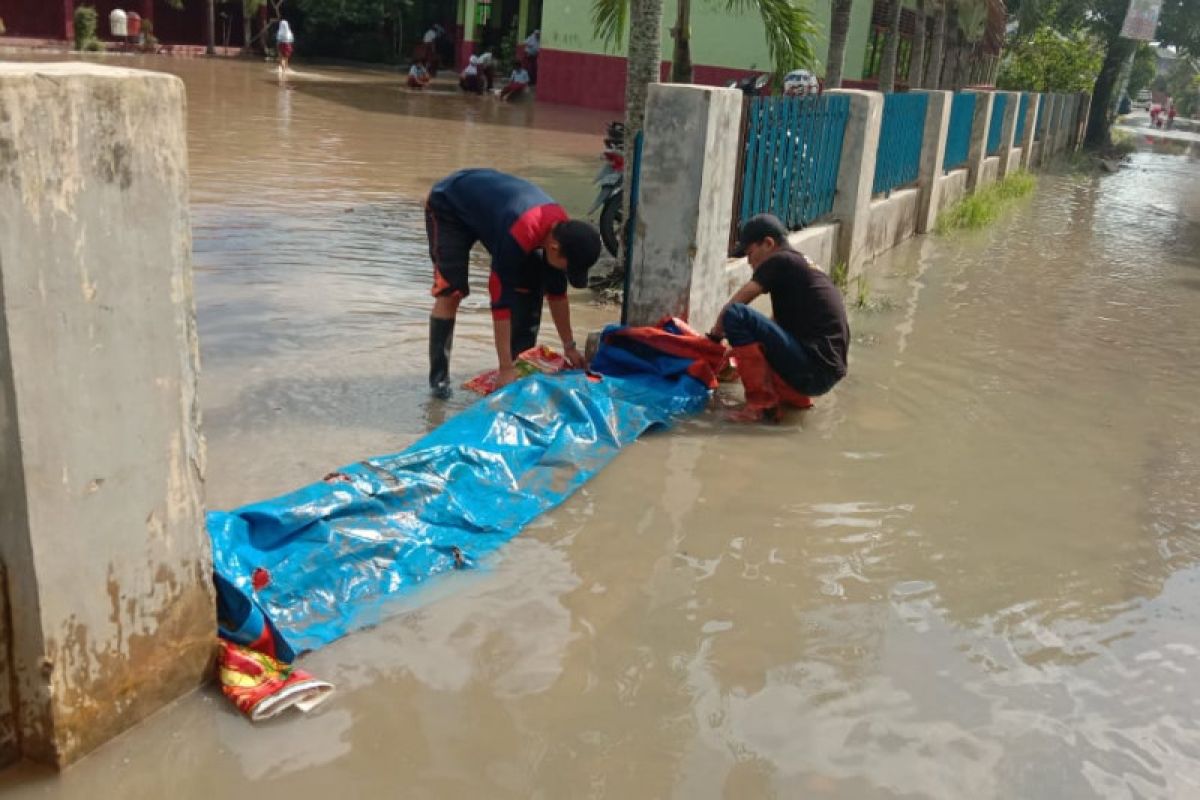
[[719, 37]]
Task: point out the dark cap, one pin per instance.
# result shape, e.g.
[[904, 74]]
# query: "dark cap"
[[757, 228], [580, 243]]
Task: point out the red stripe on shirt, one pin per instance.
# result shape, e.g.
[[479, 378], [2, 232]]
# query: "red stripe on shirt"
[[531, 228]]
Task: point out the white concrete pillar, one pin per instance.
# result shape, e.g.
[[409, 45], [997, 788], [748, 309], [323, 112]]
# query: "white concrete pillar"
[[933, 153], [685, 204], [109, 574], [979, 135], [1029, 132], [852, 202], [1012, 106]]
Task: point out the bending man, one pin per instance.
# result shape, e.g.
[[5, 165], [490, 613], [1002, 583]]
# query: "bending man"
[[536, 250], [801, 351]]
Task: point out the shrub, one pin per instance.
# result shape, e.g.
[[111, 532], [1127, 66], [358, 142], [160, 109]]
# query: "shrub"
[[983, 207], [85, 28]]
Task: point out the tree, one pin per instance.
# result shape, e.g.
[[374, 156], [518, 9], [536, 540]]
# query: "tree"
[[1052, 62], [933, 73], [1145, 67], [839, 29], [916, 61], [891, 45]]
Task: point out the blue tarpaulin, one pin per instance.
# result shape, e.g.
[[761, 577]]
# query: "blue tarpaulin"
[[324, 560]]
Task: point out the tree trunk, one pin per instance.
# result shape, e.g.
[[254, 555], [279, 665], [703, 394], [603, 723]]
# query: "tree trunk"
[[643, 66], [887, 68], [839, 27], [681, 59], [247, 31], [916, 61], [933, 72], [210, 28], [950, 63], [1099, 120]]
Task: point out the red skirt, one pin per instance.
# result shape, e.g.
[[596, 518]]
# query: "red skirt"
[[285, 49]]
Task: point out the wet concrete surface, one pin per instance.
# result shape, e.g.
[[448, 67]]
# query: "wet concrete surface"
[[971, 571]]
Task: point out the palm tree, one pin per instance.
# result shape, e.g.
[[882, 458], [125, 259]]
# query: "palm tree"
[[788, 26], [916, 61], [891, 45], [210, 24], [933, 72], [839, 28]]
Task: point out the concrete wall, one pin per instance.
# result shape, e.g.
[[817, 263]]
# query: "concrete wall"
[[989, 172], [687, 181], [818, 243], [952, 188], [101, 462], [893, 219]]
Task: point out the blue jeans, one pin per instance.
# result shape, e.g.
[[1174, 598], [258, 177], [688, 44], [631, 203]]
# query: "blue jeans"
[[790, 359]]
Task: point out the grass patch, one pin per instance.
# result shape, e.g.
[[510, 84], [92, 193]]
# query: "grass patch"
[[982, 208], [840, 275]]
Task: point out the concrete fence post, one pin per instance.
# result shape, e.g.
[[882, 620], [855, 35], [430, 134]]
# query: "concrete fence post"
[[980, 124], [1012, 106], [933, 154], [102, 538], [685, 207], [1085, 109], [852, 202], [1030, 131]]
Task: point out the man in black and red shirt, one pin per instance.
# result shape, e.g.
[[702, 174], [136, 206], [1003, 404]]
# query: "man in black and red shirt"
[[536, 250], [801, 351]]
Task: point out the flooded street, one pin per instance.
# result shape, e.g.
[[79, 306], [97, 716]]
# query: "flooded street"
[[972, 571]]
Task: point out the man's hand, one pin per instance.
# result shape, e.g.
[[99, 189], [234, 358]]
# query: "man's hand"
[[575, 358], [506, 375]]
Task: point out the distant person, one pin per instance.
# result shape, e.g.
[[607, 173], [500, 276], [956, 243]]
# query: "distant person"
[[533, 46], [418, 76], [487, 68], [427, 51], [285, 41], [801, 351], [518, 82], [472, 80], [1125, 106], [1171, 112], [536, 250]]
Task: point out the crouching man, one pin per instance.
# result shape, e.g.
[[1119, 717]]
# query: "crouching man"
[[800, 351]]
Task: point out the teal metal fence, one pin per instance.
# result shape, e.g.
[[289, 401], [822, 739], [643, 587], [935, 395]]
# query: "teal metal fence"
[[898, 157], [1040, 122], [1022, 110], [958, 136], [996, 127], [791, 159]]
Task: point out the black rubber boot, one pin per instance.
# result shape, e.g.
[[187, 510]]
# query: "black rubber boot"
[[441, 340]]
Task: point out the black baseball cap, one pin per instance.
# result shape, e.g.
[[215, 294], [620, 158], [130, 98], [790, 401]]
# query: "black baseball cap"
[[580, 243], [757, 228]]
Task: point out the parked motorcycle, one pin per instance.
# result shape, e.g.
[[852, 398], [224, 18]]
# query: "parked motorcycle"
[[751, 85], [611, 180]]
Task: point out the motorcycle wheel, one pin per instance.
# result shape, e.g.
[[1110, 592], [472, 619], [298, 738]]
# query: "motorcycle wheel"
[[610, 224]]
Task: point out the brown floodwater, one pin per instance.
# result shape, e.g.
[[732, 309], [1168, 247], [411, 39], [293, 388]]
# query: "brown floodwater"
[[970, 572]]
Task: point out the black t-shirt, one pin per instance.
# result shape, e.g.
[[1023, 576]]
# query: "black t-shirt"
[[806, 304]]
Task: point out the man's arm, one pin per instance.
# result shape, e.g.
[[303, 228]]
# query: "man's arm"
[[744, 295], [560, 312], [502, 327]]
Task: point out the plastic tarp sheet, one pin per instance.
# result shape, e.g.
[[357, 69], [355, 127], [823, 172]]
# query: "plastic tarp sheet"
[[304, 569]]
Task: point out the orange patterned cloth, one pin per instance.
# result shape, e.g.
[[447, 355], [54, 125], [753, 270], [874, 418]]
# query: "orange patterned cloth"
[[262, 686], [536, 359]]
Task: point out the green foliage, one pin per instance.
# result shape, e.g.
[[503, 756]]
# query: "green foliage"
[[348, 13], [789, 27], [1145, 67], [1182, 84], [1051, 62], [982, 208], [85, 28], [840, 275]]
